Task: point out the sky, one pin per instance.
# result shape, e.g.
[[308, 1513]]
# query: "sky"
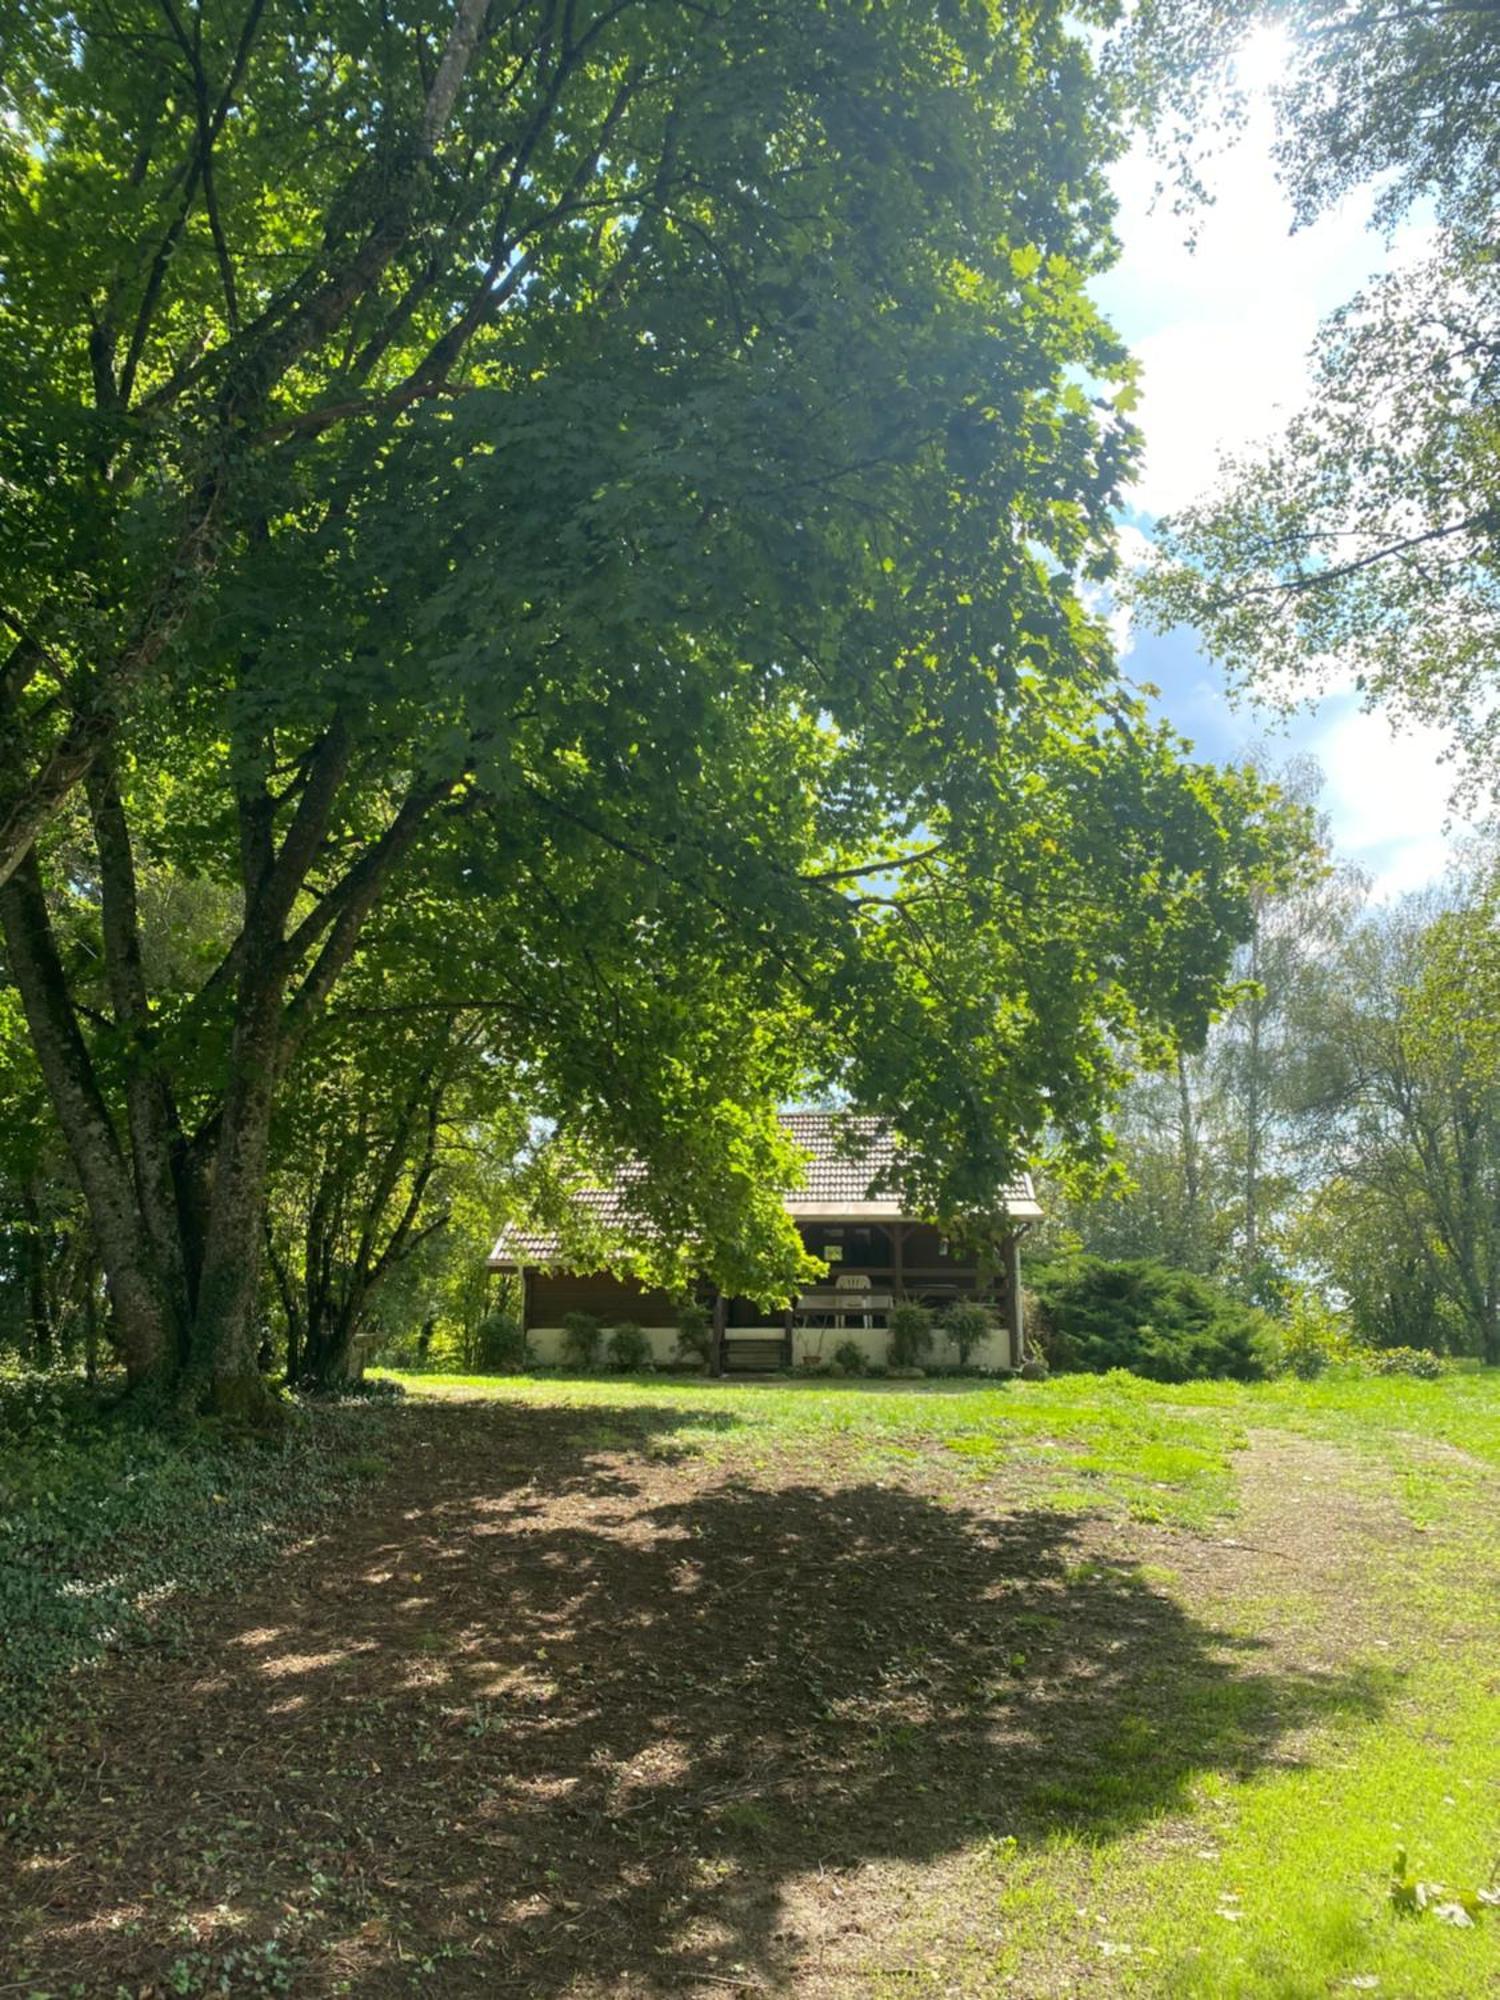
[[1222, 331]]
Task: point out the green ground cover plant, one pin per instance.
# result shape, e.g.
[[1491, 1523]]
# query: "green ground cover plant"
[[109, 1529]]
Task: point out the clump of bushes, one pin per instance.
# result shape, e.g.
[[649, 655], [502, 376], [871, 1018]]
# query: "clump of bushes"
[[500, 1346], [581, 1337], [911, 1336], [1311, 1339], [694, 1332], [627, 1347], [966, 1325], [1146, 1317], [849, 1356], [1416, 1361]]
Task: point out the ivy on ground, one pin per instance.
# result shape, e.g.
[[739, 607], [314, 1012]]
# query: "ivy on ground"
[[109, 1529]]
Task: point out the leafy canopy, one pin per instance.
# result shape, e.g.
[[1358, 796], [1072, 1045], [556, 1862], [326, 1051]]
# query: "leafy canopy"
[[593, 535], [1366, 539]]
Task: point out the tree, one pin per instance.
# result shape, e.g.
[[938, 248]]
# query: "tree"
[[1256, 1053], [605, 520], [1400, 94], [1210, 1149], [370, 1147], [1368, 537], [47, 1268], [1405, 1107]]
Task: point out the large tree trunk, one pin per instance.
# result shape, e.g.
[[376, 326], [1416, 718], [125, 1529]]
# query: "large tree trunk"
[[179, 1227], [222, 1374], [91, 1327], [157, 1152], [148, 1331], [327, 1360], [38, 1311]]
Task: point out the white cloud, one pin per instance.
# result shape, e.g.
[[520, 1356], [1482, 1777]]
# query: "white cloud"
[[1223, 331], [1223, 328], [1135, 546], [1208, 388], [1387, 796]]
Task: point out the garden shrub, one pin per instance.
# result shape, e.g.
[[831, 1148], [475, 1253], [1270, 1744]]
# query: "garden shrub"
[[966, 1325], [911, 1336], [1310, 1339], [1147, 1317], [627, 1347], [581, 1335], [500, 1346], [1417, 1361], [695, 1331], [849, 1356]]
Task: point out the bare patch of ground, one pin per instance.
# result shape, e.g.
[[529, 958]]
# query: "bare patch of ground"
[[565, 1711]]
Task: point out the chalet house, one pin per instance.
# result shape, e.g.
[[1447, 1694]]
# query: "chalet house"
[[877, 1254]]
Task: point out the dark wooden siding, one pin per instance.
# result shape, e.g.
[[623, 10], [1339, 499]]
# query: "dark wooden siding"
[[554, 1293]]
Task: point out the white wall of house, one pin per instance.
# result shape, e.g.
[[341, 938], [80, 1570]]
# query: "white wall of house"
[[808, 1345], [547, 1347], [818, 1344]]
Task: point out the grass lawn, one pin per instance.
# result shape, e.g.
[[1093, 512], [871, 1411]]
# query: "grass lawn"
[[653, 1687]]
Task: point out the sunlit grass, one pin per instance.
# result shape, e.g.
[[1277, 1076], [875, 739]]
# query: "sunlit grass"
[[1273, 1880], [1109, 1443]]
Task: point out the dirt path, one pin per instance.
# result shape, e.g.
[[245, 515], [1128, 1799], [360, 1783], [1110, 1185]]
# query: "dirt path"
[[566, 1713]]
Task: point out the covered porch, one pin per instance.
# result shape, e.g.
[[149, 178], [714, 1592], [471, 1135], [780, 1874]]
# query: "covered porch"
[[872, 1266]]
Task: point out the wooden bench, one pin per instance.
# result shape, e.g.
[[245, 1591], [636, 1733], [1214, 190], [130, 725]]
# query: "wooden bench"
[[757, 1355]]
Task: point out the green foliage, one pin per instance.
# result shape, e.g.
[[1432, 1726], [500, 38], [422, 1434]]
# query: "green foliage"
[[1415, 1361], [518, 618], [627, 1346], [910, 1341], [694, 1331], [1209, 1166], [1311, 1338], [108, 1529], [1168, 1325], [502, 1347], [966, 1325], [1405, 1108], [581, 1338], [1353, 542], [851, 1357]]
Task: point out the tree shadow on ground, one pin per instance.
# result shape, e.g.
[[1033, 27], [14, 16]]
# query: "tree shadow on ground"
[[558, 1718]]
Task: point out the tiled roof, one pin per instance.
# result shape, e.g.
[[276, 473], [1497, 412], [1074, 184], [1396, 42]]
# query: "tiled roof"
[[520, 1244], [846, 1158]]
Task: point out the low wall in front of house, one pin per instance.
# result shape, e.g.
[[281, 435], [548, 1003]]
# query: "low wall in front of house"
[[814, 1344], [547, 1348], [809, 1345]]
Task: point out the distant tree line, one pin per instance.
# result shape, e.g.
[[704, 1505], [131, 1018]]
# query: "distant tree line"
[[1340, 1129]]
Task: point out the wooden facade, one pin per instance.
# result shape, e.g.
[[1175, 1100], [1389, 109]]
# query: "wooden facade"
[[876, 1257], [871, 1267]]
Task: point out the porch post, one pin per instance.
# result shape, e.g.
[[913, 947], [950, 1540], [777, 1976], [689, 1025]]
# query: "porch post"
[[525, 1301], [787, 1349], [898, 1246], [716, 1349], [1015, 1312]]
